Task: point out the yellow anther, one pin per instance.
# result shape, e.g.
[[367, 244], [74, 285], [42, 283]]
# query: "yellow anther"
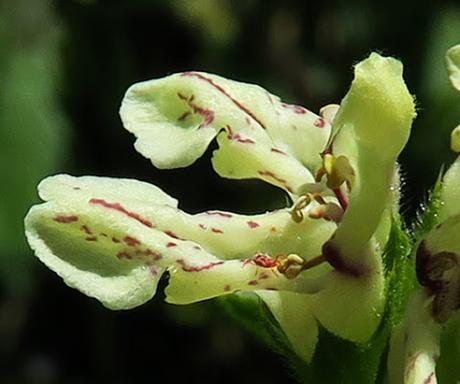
[[301, 203], [455, 139], [290, 266], [337, 170], [318, 212], [329, 211]]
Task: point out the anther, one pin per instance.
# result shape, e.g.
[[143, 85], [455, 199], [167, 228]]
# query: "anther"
[[329, 211], [290, 266], [301, 203], [337, 169]]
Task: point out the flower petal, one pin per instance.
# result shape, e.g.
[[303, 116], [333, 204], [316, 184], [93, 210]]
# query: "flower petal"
[[444, 238], [415, 344], [225, 234], [294, 314], [190, 283], [371, 128], [450, 192], [239, 160], [60, 187], [91, 256], [352, 307], [92, 224], [176, 117], [453, 65]]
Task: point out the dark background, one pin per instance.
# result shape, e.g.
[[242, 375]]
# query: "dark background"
[[64, 66]]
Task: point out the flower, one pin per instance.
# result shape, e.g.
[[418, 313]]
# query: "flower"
[[319, 260], [438, 255], [415, 343]]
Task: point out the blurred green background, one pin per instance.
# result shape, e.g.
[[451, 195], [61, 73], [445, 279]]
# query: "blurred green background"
[[64, 66]]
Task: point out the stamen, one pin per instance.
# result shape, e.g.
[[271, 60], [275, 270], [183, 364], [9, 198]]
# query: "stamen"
[[292, 265], [338, 171], [301, 203], [328, 211]]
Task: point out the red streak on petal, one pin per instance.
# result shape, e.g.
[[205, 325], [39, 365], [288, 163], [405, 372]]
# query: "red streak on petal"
[[91, 238], [124, 255], [295, 108], [206, 114], [272, 175], [428, 380], [131, 241], [115, 240], [253, 282], [184, 116], [263, 276], [226, 94], [219, 213], [276, 150], [252, 224], [217, 230], [319, 123], [171, 245], [118, 207], [188, 268], [154, 255], [237, 137], [65, 219], [202, 226], [86, 229], [275, 177], [172, 234], [227, 288], [243, 140]]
